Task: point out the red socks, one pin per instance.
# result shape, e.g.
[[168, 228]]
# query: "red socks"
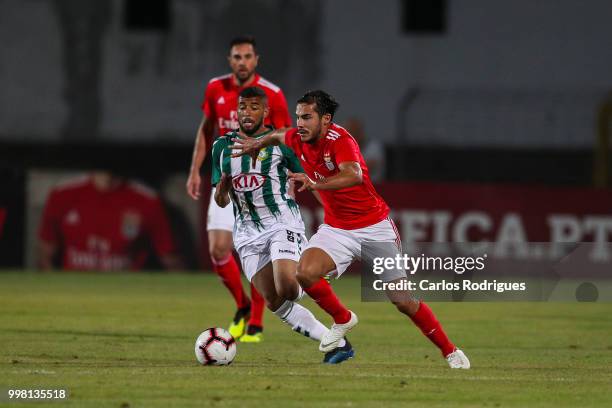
[[257, 308], [425, 320], [228, 271], [322, 293]]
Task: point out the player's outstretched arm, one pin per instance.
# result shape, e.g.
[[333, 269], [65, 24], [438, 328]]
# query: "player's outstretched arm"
[[205, 131], [252, 146], [350, 175], [222, 191]]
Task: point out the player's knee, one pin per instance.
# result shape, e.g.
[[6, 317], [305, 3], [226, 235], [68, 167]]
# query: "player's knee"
[[308, 273], [219, 252]]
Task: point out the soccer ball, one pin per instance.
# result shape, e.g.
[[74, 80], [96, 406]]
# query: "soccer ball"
[[215, 346]]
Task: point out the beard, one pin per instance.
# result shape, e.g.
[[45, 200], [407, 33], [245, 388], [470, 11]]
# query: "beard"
[[314, 135], [253, 130], [244, 75]]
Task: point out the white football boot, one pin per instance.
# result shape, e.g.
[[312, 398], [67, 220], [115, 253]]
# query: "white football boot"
[[331, 339], [458, 359]]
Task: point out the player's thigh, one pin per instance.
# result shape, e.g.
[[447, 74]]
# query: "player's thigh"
[[315, 263]]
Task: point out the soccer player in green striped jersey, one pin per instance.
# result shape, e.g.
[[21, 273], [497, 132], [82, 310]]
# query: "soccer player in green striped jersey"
[[269, 231]]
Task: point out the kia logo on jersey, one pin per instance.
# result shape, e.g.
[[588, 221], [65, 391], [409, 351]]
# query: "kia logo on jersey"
[[248, 182]]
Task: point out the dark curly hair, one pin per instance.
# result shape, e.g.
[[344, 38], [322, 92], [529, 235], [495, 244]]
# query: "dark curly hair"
[[244, 39], [324, 102], [253, 92]]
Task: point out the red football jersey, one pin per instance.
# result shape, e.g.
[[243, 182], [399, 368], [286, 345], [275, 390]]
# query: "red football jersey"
[[109, 230], [221, 102], [349, 208]]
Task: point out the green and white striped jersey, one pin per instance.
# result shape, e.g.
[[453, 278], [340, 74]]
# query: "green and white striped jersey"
[[259, 194]]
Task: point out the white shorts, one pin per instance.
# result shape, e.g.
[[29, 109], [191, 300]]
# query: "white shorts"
[[278, 244], [219, 218], [344, 246]]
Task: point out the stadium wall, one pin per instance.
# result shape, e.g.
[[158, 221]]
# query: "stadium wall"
[[147, 85]]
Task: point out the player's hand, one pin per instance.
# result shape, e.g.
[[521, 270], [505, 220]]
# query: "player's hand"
[[307, 182], [245, 146], [193, 185]]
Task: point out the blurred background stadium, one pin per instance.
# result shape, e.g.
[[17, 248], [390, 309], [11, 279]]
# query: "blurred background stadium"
[[485, 113]]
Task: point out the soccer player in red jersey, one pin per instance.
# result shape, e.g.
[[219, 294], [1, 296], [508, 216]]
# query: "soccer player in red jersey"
[[220, 112], [100, 222], [354, 214]]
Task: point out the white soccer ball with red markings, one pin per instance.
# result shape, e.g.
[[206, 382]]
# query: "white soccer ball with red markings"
[[215, 346]]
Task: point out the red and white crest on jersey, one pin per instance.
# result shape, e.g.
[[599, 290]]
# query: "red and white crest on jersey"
[[350, 208]]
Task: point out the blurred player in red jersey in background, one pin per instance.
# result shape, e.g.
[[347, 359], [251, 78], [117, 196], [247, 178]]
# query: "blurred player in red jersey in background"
[[220, 111], [103, 222], [354, 214]]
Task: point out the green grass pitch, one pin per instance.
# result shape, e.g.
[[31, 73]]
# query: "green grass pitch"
[[127, 341]]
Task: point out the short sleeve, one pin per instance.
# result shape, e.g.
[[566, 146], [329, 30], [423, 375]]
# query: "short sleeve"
[[217, 152], [49, 229], [208, 104], [346, 149], [279, 113], [293, 163]]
